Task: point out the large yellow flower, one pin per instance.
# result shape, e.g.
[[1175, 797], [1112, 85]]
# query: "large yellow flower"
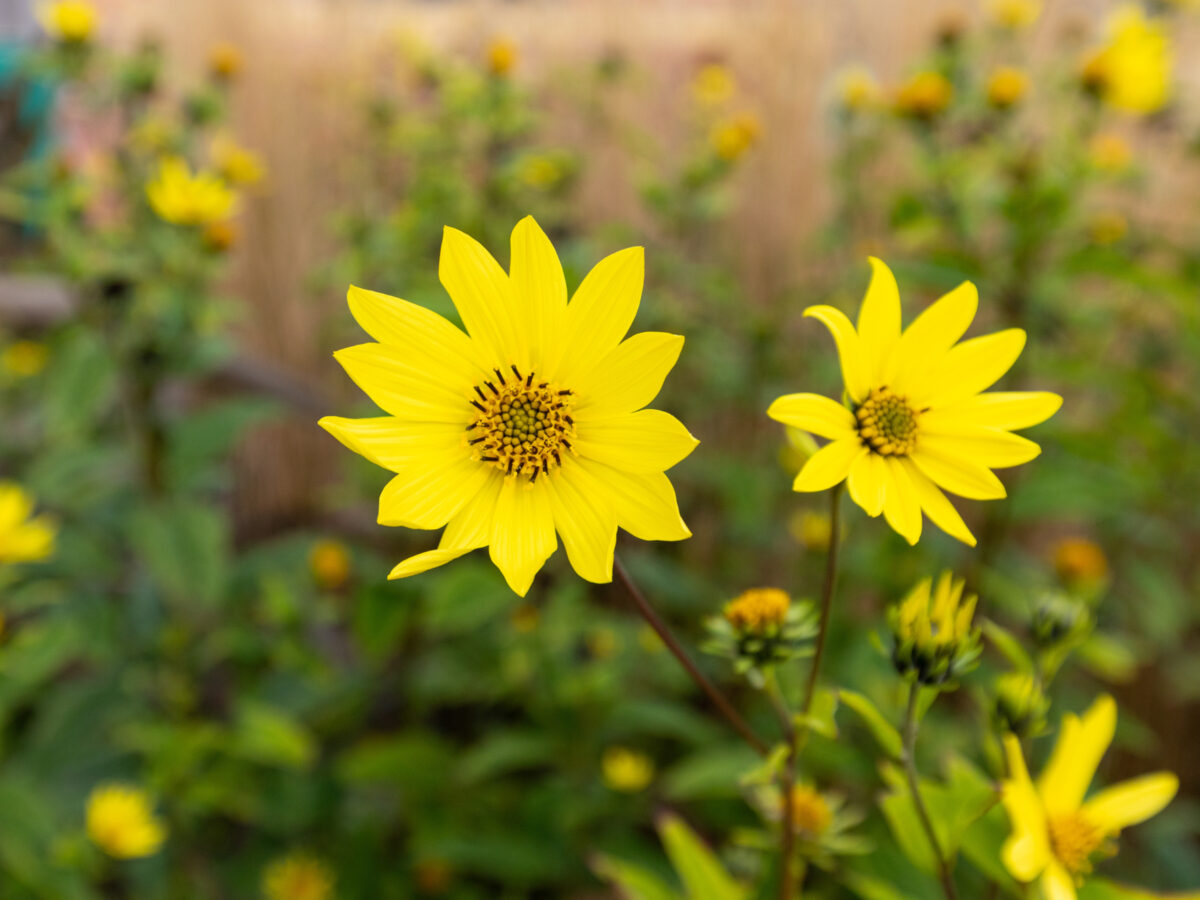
[[1056, 834], [529, 423], [182, 198], [121, 822], [23, 537], [1132, 71], [916, 421]]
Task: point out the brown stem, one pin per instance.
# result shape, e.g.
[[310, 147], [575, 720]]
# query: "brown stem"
[[788, 778], [719, 700], [945, 876], [827, 591]]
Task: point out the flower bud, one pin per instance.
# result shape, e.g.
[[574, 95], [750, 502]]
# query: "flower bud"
[[931, 627]]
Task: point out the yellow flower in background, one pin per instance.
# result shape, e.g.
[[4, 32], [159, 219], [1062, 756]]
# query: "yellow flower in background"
[[1132, 71], [1108, 227], [626, 770], [857, 90], [530, 423], [224, 61], [935, 640], [541, 171], [220, 237], [811, 815], [329, 563], [811, 529], [713, 85], [23, 537], [1078, 560], [297, 876], [918, 420], [1056, 834], [152, 134], [185, 199], [24, 359], [1006, 86], [501, 56], [734, 136], [121, 822], [925, 95], [235, 163], [1110, 153], [1014, 14], [68, 21], [758, 609]]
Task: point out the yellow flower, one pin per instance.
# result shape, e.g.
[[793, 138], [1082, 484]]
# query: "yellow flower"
[[24, 359], [235, 163], [224, 61], [297, 877], [532, 422], [1132, 71], [1055, 832], [1006, 86], [121, 822], [501, 56], [1078, 560], [627, 771], [541, 171], [918, 421], [713, 85], [811, 815], [857, 89], [23, 538], [185, 199], [758, 609], [925, 95], [934, 638], [1110, 153], [220, 236], [1014, 14], [329, 562], [68, 21], [1108, 227], [737, 134], [811, 529], [152, 134]]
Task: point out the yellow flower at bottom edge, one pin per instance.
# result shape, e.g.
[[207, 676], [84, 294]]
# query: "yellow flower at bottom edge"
[[1056, 833], [918, 421], [68, 21], [530, 423], [627, 771], [23, 537], [297, 877], [182, 198], [121, 822]]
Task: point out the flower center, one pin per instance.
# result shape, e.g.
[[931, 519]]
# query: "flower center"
[[811, 815], [886, 423], [1074, 839], [523, 424]]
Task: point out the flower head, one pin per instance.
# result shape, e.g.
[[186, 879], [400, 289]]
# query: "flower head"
[[121, 822], [297, 876], [811, 529], [713, 85], [182, 198], [857, 89], [24, 359], [811, 814], [68, 21], [735, 135], [760, 627], [235, 163], [627, 771], [1131, 72], [935, 641], [758, 609], [925, 95], [1110, 153], [917, 420], [502, 56], [329, 562], [530, 423], [23, 537], [1014, 14], [1006, 86], [1056, 834], [224, 61], [1080, 561]]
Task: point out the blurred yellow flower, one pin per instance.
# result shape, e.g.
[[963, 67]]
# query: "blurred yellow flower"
[[121, 822], [68, 21], [734, 136], [185, 199], [1108, 227], [758, 609], [153, 133], [811, 815], [541, 171], [1078, 560], [531, 422], [329, 563], [626, 770], [1132, 71], [925, 95], [24, 359], [713, 85], [857, 90], [918, 419], [1014, 14], [297, 876], [23, 537], [220, 236], [1056, 834], [1110, 153], [224, 61], [235, 163], [1006, 86], [502, 56], [811, 529]]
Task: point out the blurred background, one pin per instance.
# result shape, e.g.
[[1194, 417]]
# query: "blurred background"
[[210, 621]]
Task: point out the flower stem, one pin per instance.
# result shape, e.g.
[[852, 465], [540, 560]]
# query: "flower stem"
[[718, 699], [914, 786], [787, 780], [827, 591]]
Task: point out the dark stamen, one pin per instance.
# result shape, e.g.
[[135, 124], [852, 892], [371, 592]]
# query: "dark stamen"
[[478, 440], [544, 384], [557, 458], [472, 426], [478, 405], [568, 420], [529, 380], [517, 371], [482, 395], [565, 393], [490, 458], [492, 388], [510, 465], [533, 477], [500, 375]]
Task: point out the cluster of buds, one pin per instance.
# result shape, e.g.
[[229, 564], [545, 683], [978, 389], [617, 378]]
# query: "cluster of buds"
[[762, 627], [934, 639], [1060, 619]]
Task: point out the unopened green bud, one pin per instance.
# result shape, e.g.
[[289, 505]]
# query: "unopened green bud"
[[934, 640]]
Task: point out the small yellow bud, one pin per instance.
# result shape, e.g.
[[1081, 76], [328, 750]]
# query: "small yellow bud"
[[626, 770], [811, 529], [1110, 153], [811, 814], [224, 61], [121, 822], [925, 95], [502, 56], [1079, 561], [733, 137], [857, 89], [24, 359], [713, 85], [297, 877], [329, 562], [934, 640], [1015, 15], [1006, 87]]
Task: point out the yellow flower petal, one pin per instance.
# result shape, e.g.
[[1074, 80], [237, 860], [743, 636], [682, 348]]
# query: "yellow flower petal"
[[902, 506], [926, 341], [813, 413], [855, 372], [585, 521], [1057, 883], [482, 295], [646, 441], [522, 532], [426, 494], [1076, 756], [630, 376], [645, 504], [423, 562], [1131, 802], [1009, 410], [985, 446], [407, 385], [471, 526], [868, 482], [829, 466], [394, 443], [600, 313], [539, 295], [935, 505], [1026, 853], [879, 322], [957, 474], [971, 367]]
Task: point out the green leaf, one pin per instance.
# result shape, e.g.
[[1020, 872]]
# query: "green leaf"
[[870, 888], [634, 882], [184, 548], [1108, 657], [504, 752], [884, 732], [1007, 644], [702, 874], [268, 735], [709, 773], [821, 716], [1103, 889]]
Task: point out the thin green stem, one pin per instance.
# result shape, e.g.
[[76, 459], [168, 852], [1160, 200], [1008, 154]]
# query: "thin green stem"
[[827, 591], [910, 770]]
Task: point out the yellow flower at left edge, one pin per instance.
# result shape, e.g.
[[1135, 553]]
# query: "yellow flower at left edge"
[[531, 422], [121, 822], [916, 420], [297, 877], [23, 537], [180, 197], [1056, 833], [68, 21], [1131, 72]]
